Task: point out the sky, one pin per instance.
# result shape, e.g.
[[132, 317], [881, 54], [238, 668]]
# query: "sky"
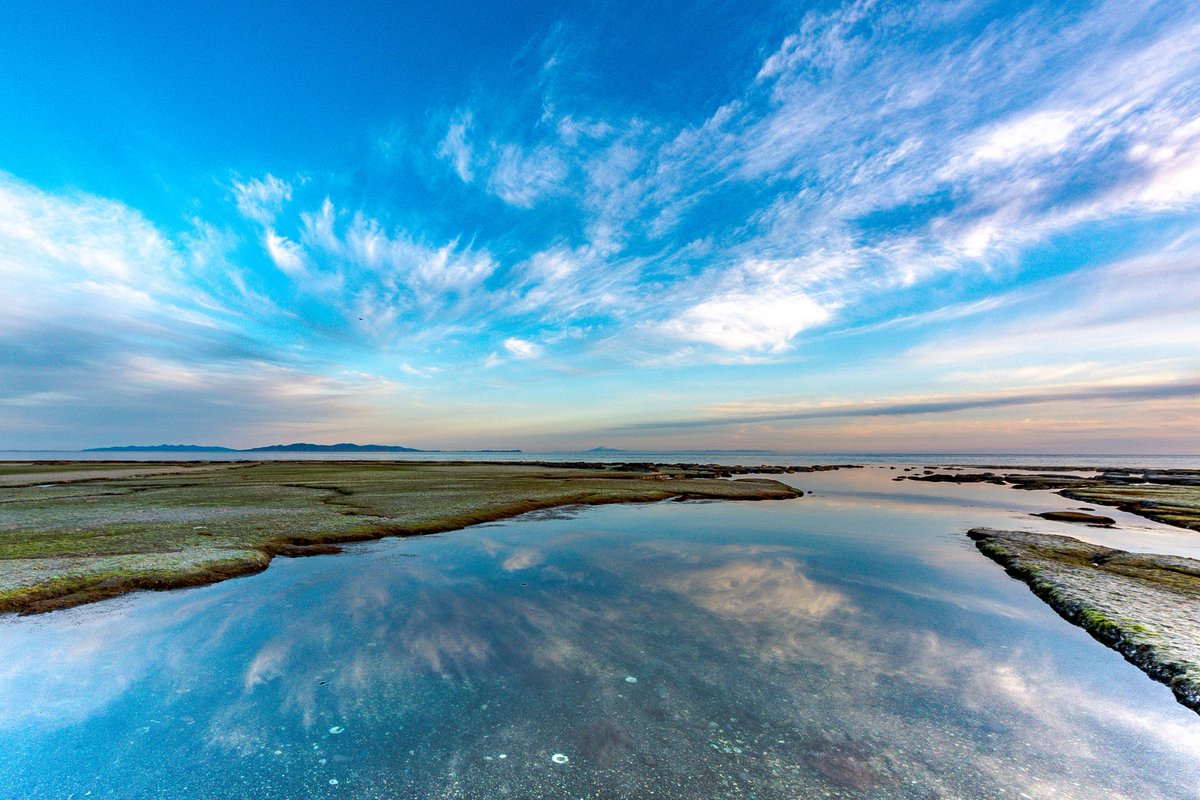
[[940, 226]]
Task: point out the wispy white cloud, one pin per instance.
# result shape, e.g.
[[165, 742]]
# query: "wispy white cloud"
[[395, 267], [521, 177], [748, 321], [261, 199], [318, 228], [522, 348], [1126, 313], [286, 254], [455, 148]]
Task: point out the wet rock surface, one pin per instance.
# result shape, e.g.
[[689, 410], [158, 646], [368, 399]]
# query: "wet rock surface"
[[958, 477], [1144, 606], [1170, 496], [1078, 516], [1177, 505]]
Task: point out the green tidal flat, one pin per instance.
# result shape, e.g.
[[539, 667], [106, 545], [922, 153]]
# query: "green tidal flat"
[[74, 532]]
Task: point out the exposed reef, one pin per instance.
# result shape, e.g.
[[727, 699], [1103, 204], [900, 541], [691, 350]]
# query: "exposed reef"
[[954, 477], [1146, 607], [1170, 496], [75, 532], [1173, 504], [1082, 517]]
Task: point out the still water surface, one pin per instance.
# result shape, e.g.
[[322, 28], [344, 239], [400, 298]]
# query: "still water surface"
[[851, 643], [727, 457]]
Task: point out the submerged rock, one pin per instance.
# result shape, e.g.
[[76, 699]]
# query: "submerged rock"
[[1146, 607], [604, 742], [845, 763]]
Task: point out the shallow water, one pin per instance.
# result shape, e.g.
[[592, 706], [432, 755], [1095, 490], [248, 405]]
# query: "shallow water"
[[727, 457], [847, 644]]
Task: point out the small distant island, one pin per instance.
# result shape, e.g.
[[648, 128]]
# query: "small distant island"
[[295, 447]]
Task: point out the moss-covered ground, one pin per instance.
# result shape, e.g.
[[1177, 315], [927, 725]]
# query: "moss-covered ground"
[[75, 532]]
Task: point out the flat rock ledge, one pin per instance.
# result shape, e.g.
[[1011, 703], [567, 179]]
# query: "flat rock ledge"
[[1095, 520], [1146, 607]]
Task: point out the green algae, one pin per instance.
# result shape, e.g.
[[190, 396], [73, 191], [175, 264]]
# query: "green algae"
[[72, 533], [1143, 606]]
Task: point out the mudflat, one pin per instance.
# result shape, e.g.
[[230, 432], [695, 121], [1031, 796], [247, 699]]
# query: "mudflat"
[[71, 533]]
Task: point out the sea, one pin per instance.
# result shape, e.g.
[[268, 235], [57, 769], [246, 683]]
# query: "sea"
[[723, 457]]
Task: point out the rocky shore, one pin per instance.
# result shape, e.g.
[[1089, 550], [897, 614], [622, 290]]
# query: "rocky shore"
[[1146, 607], [1169, 496]]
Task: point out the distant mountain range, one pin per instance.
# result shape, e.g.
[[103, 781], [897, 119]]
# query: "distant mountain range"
[[159, 448], [296, 447]]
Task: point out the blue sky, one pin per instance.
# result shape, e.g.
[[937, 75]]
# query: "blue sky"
[[868, 226]]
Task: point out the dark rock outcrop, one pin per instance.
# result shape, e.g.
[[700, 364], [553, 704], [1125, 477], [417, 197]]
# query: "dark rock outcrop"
[[1078, 516]]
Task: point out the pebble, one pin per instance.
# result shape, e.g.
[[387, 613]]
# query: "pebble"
[[336, 729], [630, 679], [559, 758]]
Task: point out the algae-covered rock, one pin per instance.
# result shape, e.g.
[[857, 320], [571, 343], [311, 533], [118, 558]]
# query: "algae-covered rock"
[[1172, 504], [1146, 607]]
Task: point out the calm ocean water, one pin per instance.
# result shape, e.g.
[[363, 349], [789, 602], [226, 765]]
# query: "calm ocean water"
[[705, 457], [851, 643]]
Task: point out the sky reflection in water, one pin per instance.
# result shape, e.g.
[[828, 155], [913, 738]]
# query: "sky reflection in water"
[[845, 644]]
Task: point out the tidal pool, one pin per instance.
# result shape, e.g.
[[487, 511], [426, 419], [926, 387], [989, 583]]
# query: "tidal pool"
[[847, 644]]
